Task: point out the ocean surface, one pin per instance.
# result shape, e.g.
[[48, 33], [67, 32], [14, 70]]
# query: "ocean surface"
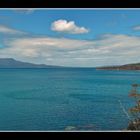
[[64, 99]]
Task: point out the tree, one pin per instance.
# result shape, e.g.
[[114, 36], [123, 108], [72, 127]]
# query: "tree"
[[135, 111]]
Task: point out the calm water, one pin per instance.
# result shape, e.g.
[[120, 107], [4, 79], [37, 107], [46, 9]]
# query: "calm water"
[[54, 99]]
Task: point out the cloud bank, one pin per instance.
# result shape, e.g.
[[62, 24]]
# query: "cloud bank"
[[68, 27], [112, 49], [108, 49]]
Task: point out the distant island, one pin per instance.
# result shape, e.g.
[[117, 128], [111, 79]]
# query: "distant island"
[[12, 63], [135, 66]]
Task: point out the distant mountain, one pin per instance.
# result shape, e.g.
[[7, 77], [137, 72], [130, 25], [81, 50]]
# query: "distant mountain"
[[135, 66], [12, 63]]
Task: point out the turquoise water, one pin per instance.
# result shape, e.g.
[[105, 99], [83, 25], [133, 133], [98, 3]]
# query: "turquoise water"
[[54, 99]]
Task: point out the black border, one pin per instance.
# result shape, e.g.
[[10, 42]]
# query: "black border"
[[69, 3], [71, 135]]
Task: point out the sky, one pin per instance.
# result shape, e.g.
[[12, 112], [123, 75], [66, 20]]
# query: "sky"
[[71, 37]]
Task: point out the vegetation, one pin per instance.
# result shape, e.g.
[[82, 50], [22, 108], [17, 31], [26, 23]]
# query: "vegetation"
[[134, 124]]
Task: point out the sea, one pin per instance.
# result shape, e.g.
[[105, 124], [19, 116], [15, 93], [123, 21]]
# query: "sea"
[[65, 99]]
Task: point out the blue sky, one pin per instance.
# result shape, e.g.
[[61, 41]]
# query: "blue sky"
[[85, 38]]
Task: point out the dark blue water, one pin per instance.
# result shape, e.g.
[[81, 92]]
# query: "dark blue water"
[[54, 99]]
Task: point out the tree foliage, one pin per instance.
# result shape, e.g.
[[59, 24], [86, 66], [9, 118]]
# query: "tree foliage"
[[135, 110]]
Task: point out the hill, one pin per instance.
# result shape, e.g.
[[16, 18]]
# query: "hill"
[[12, 63], [135, 66]]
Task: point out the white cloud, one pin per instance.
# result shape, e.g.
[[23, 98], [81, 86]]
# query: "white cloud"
[[68, 27], [25, 10], [136, 28], [6, 30], [107, 50]]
